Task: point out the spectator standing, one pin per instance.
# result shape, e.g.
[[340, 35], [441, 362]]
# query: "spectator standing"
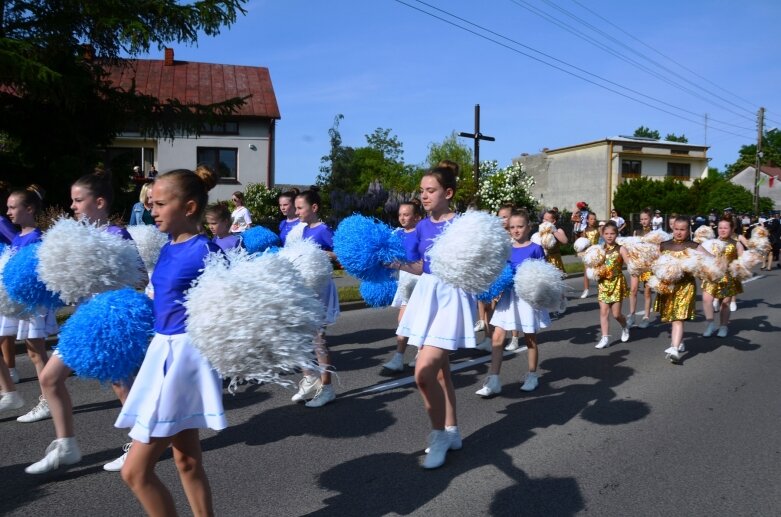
[[657, 223], [240, 217]]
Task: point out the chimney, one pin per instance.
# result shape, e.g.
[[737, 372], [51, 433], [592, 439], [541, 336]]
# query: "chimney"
[[169, 57]]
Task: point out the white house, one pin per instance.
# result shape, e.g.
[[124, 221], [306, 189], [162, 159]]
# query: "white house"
[[241, 150], [769, 182], [592, 171]]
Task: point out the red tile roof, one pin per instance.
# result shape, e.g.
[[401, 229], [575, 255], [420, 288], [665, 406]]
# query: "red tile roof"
[[201, 83], [770, 171]]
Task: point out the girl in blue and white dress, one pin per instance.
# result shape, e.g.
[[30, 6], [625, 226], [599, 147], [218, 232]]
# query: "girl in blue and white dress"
[[218, 220], [514, 314], [291, 226], [439, 318], [7, 233], [91, 197], [23, 207], [176, 391], [409, 217], [318, 388]]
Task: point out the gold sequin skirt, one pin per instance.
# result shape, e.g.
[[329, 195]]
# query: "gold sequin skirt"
[[727, 286], [678, 304], [612, 290], [555, 259]]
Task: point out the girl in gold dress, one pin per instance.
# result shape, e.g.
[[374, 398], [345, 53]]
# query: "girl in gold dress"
[[727, 287], [553, 256], [645, 228], [592, 233], [612, 286], [675, 303]]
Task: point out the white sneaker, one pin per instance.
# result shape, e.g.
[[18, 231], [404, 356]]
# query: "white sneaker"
[[323, 396], [14, 375], [39, 412], [630, 321], [307, 388], [455, 438], [733, 306], [584, 294], [116, 465], [491, 386], [10, 401], [674, 355], [396, 364], [710, 329], [625, 334], [604, 342], [681, 348], [722, 331], [513, 346], [438, 445], [670, 350], [531, 382], [411, 364], [644, 323], [485, 345], [480, 325], [61, 452]]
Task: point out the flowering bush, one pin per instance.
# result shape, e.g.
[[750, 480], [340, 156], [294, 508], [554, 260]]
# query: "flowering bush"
[[508, 185], [261, 201]]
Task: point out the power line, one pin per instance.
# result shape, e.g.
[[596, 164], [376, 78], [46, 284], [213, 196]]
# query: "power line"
[[752, 104], [554, 66]]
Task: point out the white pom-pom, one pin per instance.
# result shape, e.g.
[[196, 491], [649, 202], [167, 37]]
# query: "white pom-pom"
[[548, 241], [710, 267], [739, 270], [268, 333], [593, 257], [546, 228], [8, 307], [657, 237], [759, 243], [591, 274], [536, 238], [540, 284], [714, 246], [640, 255], [77, 260], [653, 283], [751, 258], [580, 244], [149, 241], [668, 269], [471, 252], [759, 232], [312, 263], [690, 261], [703, 233]]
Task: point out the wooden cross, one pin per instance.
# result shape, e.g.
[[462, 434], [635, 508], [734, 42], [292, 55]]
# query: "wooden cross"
[[477, 136]]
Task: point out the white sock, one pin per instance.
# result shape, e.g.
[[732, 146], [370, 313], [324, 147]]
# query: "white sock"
[[451, 428]]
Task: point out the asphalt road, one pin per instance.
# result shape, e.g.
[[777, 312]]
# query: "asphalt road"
[[619, 431]]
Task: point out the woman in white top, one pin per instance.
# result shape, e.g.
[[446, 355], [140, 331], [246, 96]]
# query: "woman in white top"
[[620, 222], [240, 218]]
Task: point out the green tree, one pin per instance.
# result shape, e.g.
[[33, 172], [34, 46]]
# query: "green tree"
[[672, 137], [452, 149], [747, 156], [645, 132], [58, 106]]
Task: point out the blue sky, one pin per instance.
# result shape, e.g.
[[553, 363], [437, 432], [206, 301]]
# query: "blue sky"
[[383, 64]]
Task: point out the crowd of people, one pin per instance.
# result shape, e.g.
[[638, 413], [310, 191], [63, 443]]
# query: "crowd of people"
[[176, 392]]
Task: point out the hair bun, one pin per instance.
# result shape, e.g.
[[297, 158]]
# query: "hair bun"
[[207, 176], [314, 188]]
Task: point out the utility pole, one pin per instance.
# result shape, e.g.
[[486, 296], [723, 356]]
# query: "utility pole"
[[706, 130], [477, 136], [760, 131]]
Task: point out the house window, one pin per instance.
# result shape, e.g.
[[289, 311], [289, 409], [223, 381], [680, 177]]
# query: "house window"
[[223, 160], [631, 168], [679, 170], [224, 128]]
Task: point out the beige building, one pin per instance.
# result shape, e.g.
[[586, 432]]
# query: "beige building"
[[592, 171], [769, 182]]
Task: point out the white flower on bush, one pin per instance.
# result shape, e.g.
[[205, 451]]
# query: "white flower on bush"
[[499, 186]]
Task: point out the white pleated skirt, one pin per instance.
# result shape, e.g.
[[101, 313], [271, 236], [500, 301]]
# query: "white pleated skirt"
[[404, 290], [39, 326], [439, 315], [330, 299], [175, 389], [513, 313]]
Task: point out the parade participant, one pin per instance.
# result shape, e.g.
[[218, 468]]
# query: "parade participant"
[[553, 255], [291, 226], [141, 212], [91, 197], [634, 282], [240, 217], [593, 234], [579, 219], [176, 391], [612, 286], [409, 216], [676, 303], [23, 207], [724, 290], [485, 310], [514, 314], [218, 219], [7, 233], [438, 319], [318, 388]]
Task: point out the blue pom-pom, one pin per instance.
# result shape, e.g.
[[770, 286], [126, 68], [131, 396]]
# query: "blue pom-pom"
[[107, 337], [363, 245], [258, 239], [23, 284], [503, 282], [378, 293]]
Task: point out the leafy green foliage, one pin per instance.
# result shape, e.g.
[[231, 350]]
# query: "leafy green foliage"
[[453, 150], [646, 132], [747, 156], [672, 137]]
